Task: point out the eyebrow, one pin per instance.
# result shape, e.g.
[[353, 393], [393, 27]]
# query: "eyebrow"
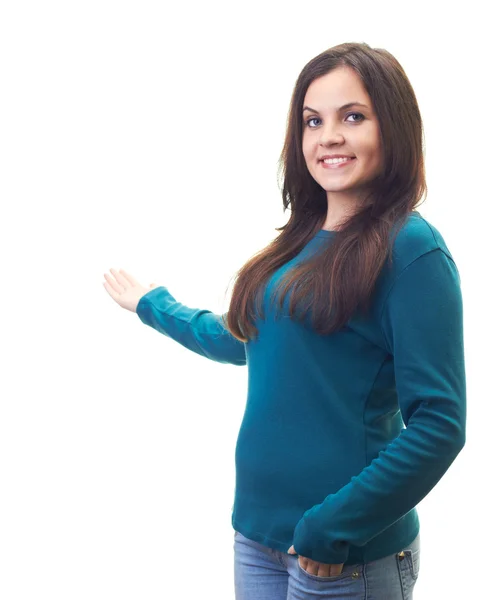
[[339, 109]]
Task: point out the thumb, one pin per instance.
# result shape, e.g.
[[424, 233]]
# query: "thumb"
[[291, 550]]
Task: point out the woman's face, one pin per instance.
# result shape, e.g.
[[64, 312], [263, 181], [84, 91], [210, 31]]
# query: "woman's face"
[[352, 131]]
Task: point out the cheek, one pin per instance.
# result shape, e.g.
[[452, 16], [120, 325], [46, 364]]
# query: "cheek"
[[377, 161], [309, 152], [307, 157], [308, 146], [372, 157]]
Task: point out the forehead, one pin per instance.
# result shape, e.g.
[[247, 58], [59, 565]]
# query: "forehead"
[[330, 91]]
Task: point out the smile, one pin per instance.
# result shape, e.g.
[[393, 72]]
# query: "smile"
[[336, 165]]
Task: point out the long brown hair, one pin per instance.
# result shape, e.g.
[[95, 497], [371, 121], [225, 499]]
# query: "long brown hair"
[[340, 279]]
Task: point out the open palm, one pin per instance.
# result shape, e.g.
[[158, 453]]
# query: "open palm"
[[124, 289]]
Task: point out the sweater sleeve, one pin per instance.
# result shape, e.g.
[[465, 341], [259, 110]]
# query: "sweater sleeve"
[[422, 324], [198, 330]]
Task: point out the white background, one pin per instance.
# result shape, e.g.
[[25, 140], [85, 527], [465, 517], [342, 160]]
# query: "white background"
[[145, 136]]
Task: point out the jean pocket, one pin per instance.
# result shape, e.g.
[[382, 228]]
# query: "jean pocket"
[[348, 572], [410, 559]]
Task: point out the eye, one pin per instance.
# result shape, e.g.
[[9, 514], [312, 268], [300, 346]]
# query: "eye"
[[361, 118]]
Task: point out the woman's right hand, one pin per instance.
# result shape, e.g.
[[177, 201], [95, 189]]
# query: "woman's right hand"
[[125, 290]]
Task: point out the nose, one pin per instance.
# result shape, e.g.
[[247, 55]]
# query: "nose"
[[331, 134]]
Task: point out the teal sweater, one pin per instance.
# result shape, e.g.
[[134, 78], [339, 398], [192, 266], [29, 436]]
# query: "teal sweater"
[[323, 460]]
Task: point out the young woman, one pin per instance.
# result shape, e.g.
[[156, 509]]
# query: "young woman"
[[351, 325]]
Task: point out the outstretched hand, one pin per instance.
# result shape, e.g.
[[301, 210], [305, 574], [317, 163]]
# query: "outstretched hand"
[[124, 289], [316, 568]]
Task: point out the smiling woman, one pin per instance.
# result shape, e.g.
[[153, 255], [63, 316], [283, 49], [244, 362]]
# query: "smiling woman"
[[332, 466], [356, 398]]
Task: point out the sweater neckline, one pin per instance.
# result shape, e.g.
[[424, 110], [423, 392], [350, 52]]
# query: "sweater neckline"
[[326, 233]]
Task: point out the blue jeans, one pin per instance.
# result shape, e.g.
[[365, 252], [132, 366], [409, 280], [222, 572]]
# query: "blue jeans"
[[262, 573]]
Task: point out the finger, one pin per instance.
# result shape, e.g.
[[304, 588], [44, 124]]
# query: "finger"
[[323, 570], [314, 567], [303, 562], [129, 277], [120, 278], [110, 291], [336, 569], [114, 284]]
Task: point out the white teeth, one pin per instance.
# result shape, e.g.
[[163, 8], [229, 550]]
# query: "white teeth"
[[330, 161]]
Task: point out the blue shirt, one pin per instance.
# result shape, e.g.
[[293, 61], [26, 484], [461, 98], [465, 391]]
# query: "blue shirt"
[[343, 435]]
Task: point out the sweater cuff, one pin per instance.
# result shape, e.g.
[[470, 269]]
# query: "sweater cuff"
[[312, 540]]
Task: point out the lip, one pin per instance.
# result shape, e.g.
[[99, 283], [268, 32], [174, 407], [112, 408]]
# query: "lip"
[[338, 165]]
